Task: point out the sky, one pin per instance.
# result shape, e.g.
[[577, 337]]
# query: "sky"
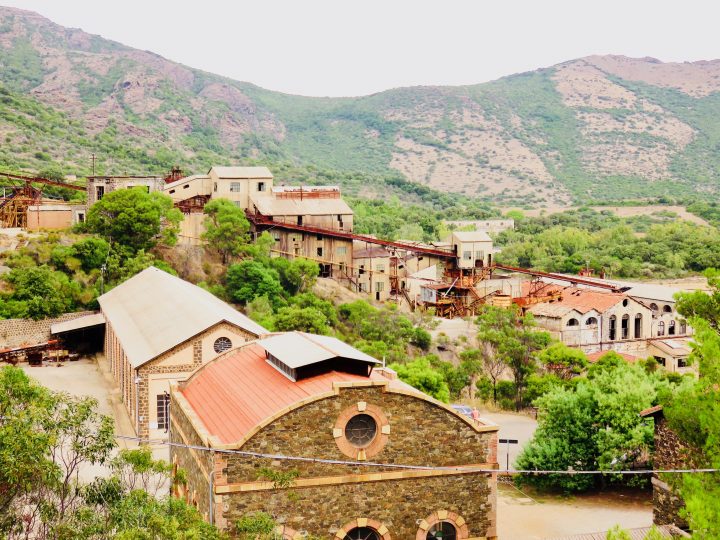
[[352, 47]]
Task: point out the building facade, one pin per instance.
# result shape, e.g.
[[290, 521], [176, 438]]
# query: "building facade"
[[327, 402], [159, 329]]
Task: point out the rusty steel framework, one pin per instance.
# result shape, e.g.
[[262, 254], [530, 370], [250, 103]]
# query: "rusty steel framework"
[[14, 205]]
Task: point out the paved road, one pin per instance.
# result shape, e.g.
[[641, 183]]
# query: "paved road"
[[512, 426]]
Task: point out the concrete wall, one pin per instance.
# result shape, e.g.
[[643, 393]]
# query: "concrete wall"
[[49, 217], [326, 497], [17, 332]]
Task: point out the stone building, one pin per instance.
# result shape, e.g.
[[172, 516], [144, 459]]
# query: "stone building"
[[190, 194], [372, 270], [99, 186], [309, 206], [315, 397], [671, 452], [158, 330]]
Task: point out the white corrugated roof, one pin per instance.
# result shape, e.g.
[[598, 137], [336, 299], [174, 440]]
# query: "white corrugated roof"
[[242, 172], [270, 206], [94, 319], [298, 349], [154, 311]]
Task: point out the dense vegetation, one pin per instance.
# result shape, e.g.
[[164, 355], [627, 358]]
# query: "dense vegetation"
[[644, 246]]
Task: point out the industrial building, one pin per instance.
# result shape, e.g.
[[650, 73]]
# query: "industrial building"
[[311, 396]]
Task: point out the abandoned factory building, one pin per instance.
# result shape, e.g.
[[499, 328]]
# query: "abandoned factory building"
[[316, 397], [158, 330]]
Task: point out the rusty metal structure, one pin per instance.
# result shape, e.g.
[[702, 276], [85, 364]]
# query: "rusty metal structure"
[[19, 194]]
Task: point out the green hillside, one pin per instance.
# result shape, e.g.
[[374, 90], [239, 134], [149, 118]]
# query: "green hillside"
[[598, 128]]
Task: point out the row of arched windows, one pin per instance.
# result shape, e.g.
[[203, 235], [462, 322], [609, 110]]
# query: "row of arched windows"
[[624, 331]]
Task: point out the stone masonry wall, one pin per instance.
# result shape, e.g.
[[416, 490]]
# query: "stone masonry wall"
[[16, 332], [398, 505], [421, 433], [197, 464]]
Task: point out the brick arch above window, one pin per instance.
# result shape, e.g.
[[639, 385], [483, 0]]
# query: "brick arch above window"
[[457, 521], [374, 524]]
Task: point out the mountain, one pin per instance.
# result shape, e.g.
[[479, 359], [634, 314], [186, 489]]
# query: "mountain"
[[601, 127]]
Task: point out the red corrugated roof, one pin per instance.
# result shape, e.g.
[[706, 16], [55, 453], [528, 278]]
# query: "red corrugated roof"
[[236, 392]]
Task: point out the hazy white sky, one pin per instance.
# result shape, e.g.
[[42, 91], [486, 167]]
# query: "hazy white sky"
[[351, 47]]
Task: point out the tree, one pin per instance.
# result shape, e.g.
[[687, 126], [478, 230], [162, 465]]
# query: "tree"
[[563, 361], [699, 304], [250, 279], [43, 292], [226, 228], [92, 252], [306, 319], [515, 340], [135, 218], [594, 426], [420, 374], [297, 275]]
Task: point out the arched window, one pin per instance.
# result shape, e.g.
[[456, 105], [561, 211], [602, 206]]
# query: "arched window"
[[683, 328], [442, 531], [671, 328], [613, 328], [654, 307], [638, 326], [591, 321], [661, 328], [667, 309], [573, 322], [222, 344], [625, 326], [362, 533]]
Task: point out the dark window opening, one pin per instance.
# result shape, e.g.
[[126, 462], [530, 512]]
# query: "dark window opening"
[[638, 326], [667, 309], [660, 360], [362, 533], [573, 322], [661, 328], [671, 328], [319, 251], [99, 192], [442, 531], [222, 344], [299, 220], [613, 328], [261, 186], [625, 326], [360, 430], [682, 362]]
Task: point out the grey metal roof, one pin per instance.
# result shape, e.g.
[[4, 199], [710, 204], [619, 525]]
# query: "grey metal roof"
[[86, 321], [153, 311], [298, 349], [471, 236]]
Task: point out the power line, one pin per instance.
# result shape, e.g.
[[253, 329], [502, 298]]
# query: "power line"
[[282, 457]]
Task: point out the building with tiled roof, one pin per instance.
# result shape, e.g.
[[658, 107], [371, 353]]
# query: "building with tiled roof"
[[348, 420]]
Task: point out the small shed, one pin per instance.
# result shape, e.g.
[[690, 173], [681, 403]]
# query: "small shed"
[[473, 248]]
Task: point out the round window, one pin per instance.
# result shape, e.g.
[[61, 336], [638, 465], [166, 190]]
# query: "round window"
[[442, 530], [362, 533], [360, 430], [222, 344]]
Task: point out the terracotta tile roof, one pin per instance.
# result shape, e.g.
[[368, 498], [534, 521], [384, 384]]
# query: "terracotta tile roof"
[[594, 357], [236, 392], [582, 300]]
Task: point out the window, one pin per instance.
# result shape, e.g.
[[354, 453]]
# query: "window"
[[222, 344], [276, 236], [660, 360], [235, 187], [613, 327], [360, 430], [362, 269], [261, 186], [172, 191], [81, 217], [625, 326], [379, 286], [625, 302], [671, 328], [362, 533], [667, 309], [361, 287], [682, 362], [573, 322], [299, 220], [467, 255], [442, 530], [654, 307], [342, 250], [214, 186], [99, 192], [638, 326], [683, 328], [591, 321], [661, 328], [380, 267], [163, 404], [186, 186], [319, 251]]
